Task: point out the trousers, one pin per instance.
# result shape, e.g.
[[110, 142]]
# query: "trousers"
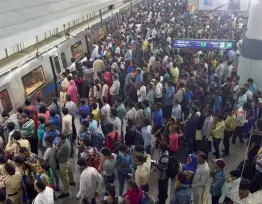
[[63, 172]]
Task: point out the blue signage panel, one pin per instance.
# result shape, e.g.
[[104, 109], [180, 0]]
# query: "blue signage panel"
[[203, 44]]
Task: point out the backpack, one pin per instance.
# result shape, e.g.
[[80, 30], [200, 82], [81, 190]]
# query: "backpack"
[[173, 166], [147, 199], [93, 157], [98, 140]]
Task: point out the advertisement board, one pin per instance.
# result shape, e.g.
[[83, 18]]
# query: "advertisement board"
[[203, 44], [224, 5]]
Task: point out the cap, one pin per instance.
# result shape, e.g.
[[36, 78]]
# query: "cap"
[[220, 163]]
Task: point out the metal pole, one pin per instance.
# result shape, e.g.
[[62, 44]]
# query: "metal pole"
[[101, 19], [106, 28]]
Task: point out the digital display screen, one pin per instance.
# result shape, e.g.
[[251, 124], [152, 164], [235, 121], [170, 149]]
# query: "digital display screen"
[[203, 44]]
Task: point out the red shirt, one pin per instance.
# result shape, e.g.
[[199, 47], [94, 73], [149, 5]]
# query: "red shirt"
[[173, 142], [111, 139], [133, 196]]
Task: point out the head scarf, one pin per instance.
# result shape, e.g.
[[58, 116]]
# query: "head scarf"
[[191, 165], [72, 91]]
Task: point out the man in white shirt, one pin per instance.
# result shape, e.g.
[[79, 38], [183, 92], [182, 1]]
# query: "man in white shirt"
[[243, 192], [115, 121], [220, 70], [141, 92], [200, 178], [90, 181], [131, 113], [114, 90], [45, 194], [248, 92], [232, 186], [105, 112], [181, 94], [73, 65], [158, 90]]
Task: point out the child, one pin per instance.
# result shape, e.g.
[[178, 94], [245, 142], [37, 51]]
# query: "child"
[[219, 178], [45, 173]]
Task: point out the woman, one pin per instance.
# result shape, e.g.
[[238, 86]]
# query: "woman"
[[190, 167], [110, 195], [97, 91], [12, 183], [107, 165], [72, 91], [43, 112], [133, 194]]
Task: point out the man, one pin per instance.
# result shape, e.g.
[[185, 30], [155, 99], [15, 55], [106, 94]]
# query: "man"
[[141, 92], [230, 126], [72, 67], [10, 118], [93, 124], [248, 93], [220, 70], [162, 166], [142, 173], [71, 106], [62, 156], [139, 76], [98, 66], [232, 186], [255, 141], [182, 193], [240, 121], [243, 192], [90, 181], [105, 111], [114, 90], [169, 98], [219, 178], [252, 85], [67, 128], [174, 73], [207, 125], [150, 94], [200, 178], [147, 110], [45, 194], [176, 110], [158, 90], [158, 117], [115, 121], [256, 183], [27, 132], [218, 133], [120, 109]]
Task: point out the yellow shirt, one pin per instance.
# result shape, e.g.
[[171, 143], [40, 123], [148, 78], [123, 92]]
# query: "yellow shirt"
[[218, 132], [230, 122], [96, 114], [174, 74], [214, 63], [144, 46]]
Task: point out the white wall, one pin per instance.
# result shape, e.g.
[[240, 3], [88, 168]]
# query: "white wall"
[[213, 4]]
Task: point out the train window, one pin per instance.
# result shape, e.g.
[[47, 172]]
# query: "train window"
[[77, 49], [63, 59], [33, 80], [5, 100], [57, 65]]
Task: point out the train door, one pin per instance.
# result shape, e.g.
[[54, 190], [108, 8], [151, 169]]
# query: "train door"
[[57, 71]]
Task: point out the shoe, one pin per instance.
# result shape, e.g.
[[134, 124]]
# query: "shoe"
[[57, 188], [234, 143], [223, 150], [72, 183], [63, 195], [224, 155], [242, 142]]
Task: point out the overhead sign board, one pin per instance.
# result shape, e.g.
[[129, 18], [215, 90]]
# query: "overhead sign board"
[[203, 44]]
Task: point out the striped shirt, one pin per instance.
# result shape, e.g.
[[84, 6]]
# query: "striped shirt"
[[28, 128]]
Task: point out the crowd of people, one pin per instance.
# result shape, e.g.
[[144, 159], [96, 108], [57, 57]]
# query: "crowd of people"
[[145, 95]]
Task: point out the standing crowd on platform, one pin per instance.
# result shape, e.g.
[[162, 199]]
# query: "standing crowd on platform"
[[145, 95]]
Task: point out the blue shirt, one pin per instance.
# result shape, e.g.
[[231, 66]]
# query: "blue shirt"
[[139, 78], [218, 105], [181, 195], [253, 88], [189, 96], [55, 121], [53, 134], [218, 181], [146, 134], [85, 109], [129, 69], [241, 100], [169, 96], [158, 118]]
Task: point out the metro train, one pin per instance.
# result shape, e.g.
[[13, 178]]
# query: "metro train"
[[41, 76]]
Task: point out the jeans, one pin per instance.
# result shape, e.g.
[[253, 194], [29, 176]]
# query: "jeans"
[[226, 140], [215, 199], [162, 191], [256, 182], [71, 140], [63, 172], [122, 179], [109, 179], [104, 128], [216, 143], [238, 133]]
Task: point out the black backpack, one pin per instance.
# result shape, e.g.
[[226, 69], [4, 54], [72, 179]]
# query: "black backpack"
[[173, 167], [138, 138]]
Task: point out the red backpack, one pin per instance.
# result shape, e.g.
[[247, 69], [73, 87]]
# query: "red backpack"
[[93, 157]]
